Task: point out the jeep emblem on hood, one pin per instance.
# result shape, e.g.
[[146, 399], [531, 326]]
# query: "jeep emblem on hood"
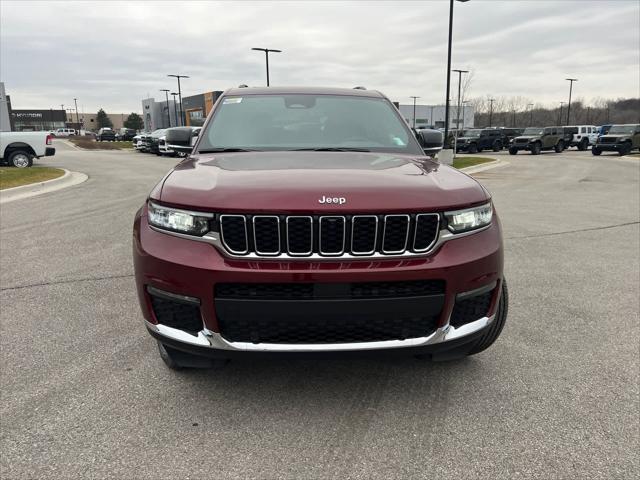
[[338, 200]]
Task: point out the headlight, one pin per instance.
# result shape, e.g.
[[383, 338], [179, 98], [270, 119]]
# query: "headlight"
[[469, 218], [190, 223]]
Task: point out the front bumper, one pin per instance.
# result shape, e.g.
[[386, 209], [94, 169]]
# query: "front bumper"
[[610, 147], [192, 269]]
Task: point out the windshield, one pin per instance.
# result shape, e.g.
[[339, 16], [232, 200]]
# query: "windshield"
[[622, 129], [532, 131], [472, 133], [307, 122]]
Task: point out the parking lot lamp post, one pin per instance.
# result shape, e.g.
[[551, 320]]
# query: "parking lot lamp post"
[[446, 109], [180, 95], [75, 100], [175, 107], [570, 80], [530, 107], [266, 57], [414, 110], [166, 94], [491, 100]]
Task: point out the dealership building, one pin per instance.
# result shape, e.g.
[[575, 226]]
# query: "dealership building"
[[434, 115], [165, 114]]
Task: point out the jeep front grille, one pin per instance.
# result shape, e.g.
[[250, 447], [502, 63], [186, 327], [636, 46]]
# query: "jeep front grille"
[[328, 235]]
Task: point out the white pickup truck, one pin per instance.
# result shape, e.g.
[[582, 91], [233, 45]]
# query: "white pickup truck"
[[18, 149]]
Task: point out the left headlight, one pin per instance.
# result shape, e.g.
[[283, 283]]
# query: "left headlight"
[[182, 221], [469, 219]]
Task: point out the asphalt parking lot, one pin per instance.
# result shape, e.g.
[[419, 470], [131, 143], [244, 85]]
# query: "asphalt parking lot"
[[85, 395]]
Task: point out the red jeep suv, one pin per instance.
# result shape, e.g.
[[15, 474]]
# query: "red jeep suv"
[[311, 220]]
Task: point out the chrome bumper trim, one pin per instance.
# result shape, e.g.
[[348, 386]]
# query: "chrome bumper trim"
[[208, 339]]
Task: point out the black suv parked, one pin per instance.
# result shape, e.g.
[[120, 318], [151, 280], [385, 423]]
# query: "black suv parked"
[[106, 135], [476, 140], [125, 134]]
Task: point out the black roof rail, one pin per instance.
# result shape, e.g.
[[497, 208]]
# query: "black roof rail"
[[359, 88], [242, 85]]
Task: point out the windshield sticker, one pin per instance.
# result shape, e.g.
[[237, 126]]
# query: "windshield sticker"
[[232, 100]]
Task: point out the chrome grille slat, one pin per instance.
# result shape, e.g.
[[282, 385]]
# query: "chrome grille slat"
[[389, 221], [335, 219], [347, 236]]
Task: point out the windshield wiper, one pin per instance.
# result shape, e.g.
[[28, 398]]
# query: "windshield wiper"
[[331, 149], [226, 149]]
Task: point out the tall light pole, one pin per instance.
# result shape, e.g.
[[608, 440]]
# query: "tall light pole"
[[414, 109], [175, 108], [560, 116], [570, 80], [266, 56], [431, 118], [75, 100], [180, 95], [446, 109], [530, 107], [166, 94], [491, 100]]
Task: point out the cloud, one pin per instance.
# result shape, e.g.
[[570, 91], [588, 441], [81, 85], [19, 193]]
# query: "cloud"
[[111, 55]]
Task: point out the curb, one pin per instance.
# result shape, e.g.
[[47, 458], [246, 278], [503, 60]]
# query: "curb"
[[484, 166], [69, 179]]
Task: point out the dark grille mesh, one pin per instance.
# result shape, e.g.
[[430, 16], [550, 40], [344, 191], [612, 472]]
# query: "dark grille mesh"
[[395, 233], [177, 315], [299, 235], [364, 234], [331, 235], [471, 309], [608, 140], [293, 291], [426, 231], [267, 235], [234, 233], [342, 330]]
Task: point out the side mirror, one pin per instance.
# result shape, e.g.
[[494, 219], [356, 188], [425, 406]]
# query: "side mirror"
[[179, 139], [431, 141]]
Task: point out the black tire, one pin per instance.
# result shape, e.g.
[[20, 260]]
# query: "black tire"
[[583, 145], [559, 147], [536, 149], [497, 147], [513, 151], [595, 151], [20, 159], [473, 148], [494, 331], [625, 150], [177, 360]]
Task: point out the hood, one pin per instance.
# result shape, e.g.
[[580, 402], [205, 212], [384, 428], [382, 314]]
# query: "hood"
[[526, 137], [616, 136], [299, 181], [466, 139]]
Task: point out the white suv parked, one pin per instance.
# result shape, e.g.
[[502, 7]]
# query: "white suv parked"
[[586, 135], [64, 132]]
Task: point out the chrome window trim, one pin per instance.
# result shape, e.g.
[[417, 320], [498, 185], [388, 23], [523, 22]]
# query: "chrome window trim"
[[255, 243], [384, 233], [210, 339], [246, 235], [415, 232], [299, 254], [344, 234], [375, 237]]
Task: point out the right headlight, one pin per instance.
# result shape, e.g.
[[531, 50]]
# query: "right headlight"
[[469, 219], [176, 220]]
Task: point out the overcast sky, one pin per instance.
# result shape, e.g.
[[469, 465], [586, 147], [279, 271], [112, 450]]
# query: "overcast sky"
[[111, 54]]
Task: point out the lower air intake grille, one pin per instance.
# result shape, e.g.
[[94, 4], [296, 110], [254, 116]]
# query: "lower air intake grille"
[[471, 309], [176, 314], [334, 330]]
